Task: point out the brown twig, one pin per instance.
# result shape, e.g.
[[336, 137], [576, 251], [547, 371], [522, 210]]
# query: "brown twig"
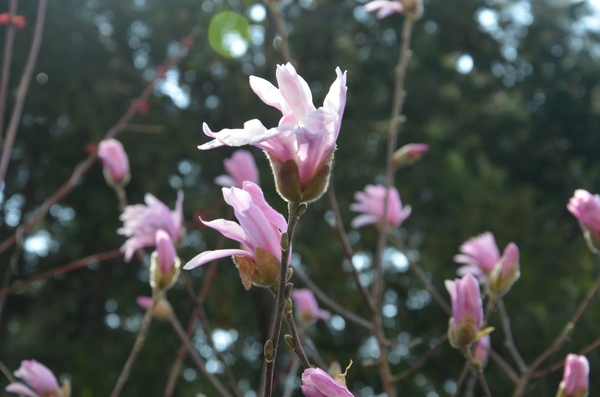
[[137, 347], [11, 131], [477, 368], [7, 373], [461, 378], [79, 263], [330, 303], [9, 41], [84, 166], [282, 43], [293, 218], [200, 364], [505, 366], [558, 365], [289, 317], [509, 341], [422, 361], [348, 252]]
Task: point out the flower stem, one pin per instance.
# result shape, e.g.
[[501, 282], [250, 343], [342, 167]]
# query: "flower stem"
[[293, 217], [297, 342], [6, 60]]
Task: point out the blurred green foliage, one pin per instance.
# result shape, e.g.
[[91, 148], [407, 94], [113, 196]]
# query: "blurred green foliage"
[[506, 93]]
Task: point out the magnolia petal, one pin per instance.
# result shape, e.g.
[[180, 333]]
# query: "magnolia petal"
[[363, 220], [209, 256], [19, 388], [228, 229], [269, 94]]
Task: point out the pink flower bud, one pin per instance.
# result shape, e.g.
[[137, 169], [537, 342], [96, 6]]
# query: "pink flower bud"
[[370, 205], [482, 350], [506, 271], [307, 307], [116, 163], [575, 378], [241, 167], [317, 383], [586, 208], [41, 381], [467, 310], [480, 255], [162, 310], [18, 21], [409, 154], [165, 265]]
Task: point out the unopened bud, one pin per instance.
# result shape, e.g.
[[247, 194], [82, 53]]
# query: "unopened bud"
[[66, 388], [413, 8], [288, 290], [285, 241], [268, 351], [288, 305], [301, 209], [409, 154], [463, 334], [290, 341]]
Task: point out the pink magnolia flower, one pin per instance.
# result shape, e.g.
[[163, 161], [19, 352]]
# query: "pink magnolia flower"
[[586, 208], [384, 8], [165, 265], [317, 383], [18, 21], [467, 310], [140, 223], [481, 258], [301, 146], [114, 158], [259, 233], [576, 377], [307, 307], [241, 167], [40, 380], [370, 205]]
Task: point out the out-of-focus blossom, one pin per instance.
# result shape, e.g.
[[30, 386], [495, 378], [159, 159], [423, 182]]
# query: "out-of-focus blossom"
[[481, 258], [307, 307], [41, 382], [318, 383], [385, 8], [140, 223], [115, 161], [482, 350], [241, 167], [165, 265], [409, 154], [586, 208], [575, 381], [467, 310], [370, 205], [18, 21], [259, 233], [301, 147], [162, 310]]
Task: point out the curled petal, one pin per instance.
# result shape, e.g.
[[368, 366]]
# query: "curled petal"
[[209, 256]]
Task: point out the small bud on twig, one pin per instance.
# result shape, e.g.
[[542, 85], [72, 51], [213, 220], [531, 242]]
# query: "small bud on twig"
[[285, 241], [288, 306], [288, 290], [290, 341], [268, 351]]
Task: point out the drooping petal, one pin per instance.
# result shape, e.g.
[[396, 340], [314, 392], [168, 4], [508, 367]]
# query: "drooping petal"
[[209, 256], [19, 388], [228, 229]]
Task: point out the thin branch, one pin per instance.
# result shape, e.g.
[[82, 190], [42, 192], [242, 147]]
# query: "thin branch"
[[422, 361], [348, 252], [137, 347], [556, 366], [477, 368], [289, 317], [461, 378], [282, 43], [330, 303], [291, 377], [509, 342], [505, 366], [79, 263], [200, 364], [280, 306], [11, 131], [7, 373], [9, 41]]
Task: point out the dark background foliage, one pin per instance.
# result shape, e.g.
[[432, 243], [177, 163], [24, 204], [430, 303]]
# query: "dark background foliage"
[[511, 138]]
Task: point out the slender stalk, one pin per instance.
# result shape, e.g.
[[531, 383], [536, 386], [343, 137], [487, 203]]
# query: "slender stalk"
[[505, 366], [11, 132], [348, 252], [509, 341], [85, 165], [422, 361], [398, 102], [200, 364], [280, 306], [282, 43], [289, 317], [79, 263], [330, 303], [9, 41], [477, 368], [461, 378], [137, 347], [291, 377], [7, 372]]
